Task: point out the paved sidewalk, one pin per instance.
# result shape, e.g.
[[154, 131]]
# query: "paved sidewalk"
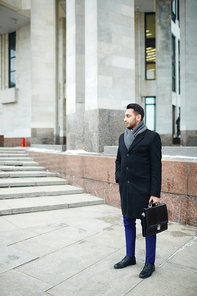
[[72, 252]]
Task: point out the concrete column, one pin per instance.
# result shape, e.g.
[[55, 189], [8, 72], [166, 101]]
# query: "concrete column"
[[75, 71], [163, 71], [44, 72], [188, 62], [62, 80], [110, 70]]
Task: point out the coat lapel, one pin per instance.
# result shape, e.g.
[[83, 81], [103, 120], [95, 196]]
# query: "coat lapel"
[[137, 140]]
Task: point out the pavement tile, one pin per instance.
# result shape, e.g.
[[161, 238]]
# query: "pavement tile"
[[6, 225], [11, 257], [186, 255], [62, 264], [177, 234], [39, 219], [170, 279], [90, 224], [100, 279], [14, 236], [112, 236], [12, 284], [46, 228], [52, 241]]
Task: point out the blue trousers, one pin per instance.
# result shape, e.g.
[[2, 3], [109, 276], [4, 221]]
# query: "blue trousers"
[[130, 236]]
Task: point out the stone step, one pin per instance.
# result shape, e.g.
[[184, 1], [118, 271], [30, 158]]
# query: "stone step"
[[19, 163], [19, 192], [26, 182], [21, 168], [46, 203], [12, 149], [3, 154], [26, 174], [18, 158]]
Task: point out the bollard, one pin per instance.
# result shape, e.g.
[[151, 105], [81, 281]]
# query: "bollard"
[[23, 142]]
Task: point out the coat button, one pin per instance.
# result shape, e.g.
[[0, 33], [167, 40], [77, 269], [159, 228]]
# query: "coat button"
[[127, 154], [127, 168], [128, 181]]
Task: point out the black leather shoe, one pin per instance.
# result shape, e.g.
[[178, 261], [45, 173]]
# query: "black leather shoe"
[[126, 261], [147, 271]]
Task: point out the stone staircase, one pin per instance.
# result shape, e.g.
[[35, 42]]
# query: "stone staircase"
[[27, 187]]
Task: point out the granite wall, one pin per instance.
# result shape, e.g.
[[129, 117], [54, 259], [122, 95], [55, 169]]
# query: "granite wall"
[[93, 129], [96, 175]]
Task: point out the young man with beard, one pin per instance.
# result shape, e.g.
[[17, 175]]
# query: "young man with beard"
[[138, 173]]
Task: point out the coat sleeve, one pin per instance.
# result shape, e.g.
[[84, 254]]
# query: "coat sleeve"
[[156, 166], [118, 164]]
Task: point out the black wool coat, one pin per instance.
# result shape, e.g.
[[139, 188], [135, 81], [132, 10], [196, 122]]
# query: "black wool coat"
[[138, 172]]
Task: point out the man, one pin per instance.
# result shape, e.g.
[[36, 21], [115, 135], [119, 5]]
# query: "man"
[[138, 172]]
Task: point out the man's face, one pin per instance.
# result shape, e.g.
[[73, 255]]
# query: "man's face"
[[131, 119]]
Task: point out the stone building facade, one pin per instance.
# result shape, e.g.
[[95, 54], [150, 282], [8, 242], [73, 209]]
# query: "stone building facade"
[[68, 69]]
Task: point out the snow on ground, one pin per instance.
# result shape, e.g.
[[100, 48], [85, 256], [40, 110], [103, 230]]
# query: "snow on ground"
[[79, 152], [71, 152]]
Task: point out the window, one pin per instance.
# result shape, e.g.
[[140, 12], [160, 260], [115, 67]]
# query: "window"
[[150, 112], [173, 64], [179, 65], [150, 46], [178, 11], [175, 10], [173, 120], [173, 4], [12, 59]]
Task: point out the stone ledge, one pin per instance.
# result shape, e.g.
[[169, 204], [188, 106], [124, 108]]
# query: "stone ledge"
[[171, 151], [8, 95]]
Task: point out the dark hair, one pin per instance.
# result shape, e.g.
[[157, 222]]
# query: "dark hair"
[[137, 109]]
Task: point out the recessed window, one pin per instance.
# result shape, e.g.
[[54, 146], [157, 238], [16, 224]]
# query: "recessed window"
[[12, 59], [175, 10], [173, 4], [173, 64], [150, 46], [150, 112], [179, 69]]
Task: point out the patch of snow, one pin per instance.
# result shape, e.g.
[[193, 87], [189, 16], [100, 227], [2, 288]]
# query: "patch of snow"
[[44, 150], [69, 152], [76, 152], [179, 156]]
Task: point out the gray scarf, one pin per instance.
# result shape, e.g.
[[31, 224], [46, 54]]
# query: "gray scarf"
[[130, 134]]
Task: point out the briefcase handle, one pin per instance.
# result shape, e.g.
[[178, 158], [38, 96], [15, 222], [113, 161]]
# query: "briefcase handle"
[[151, 204]]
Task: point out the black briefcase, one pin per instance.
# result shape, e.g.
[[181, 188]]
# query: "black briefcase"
[[154, 219]]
